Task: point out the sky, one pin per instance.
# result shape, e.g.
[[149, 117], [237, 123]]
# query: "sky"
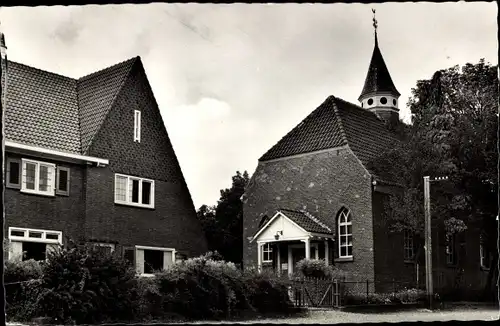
[[232, 79]]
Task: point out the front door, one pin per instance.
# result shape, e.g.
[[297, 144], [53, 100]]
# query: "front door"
[[299, 253]]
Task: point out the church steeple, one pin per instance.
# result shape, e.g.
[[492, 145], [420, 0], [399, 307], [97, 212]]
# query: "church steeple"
[[379, 93]]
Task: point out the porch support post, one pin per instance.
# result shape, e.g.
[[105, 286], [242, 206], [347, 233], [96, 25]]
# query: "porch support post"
[[290, 261], [278, 258], [308, 248], [327, 251], [259, 256]]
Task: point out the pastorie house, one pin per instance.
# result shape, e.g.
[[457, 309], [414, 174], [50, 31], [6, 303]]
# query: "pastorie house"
[[90, 160], [314, 196]]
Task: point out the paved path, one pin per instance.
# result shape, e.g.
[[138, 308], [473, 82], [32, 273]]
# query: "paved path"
[[336, 317]]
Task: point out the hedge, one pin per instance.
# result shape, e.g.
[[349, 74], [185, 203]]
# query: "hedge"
[[79, 285]]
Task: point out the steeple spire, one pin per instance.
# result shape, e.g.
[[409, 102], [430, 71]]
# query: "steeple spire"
[[379, 93]]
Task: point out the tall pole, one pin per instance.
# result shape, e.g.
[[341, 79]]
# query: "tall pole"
[[428, 241]]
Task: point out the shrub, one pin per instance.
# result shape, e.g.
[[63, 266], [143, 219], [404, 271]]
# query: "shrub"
[[319, 269], [403, 296], [268, 292], [21, 280], [83, 285], [203, 288]]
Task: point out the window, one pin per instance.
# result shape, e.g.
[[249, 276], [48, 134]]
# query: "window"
[[394, 102], [383, 100], [134, 191], [484, 253], [408, 245], [370, 101], [450, 249], [38, 177], [25, 244], [13, 178], [267, 253], [62, 181], [104, 248], [345, 234], [152, 259], [137, 126]]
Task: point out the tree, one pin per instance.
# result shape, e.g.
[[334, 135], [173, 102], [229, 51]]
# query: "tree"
[[223, 223], [453, 132]]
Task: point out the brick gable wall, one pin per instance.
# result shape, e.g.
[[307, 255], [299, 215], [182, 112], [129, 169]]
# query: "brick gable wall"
[[173, 222], [321, 183]]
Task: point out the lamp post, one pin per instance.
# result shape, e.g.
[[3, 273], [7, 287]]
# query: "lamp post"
[[428, 237]]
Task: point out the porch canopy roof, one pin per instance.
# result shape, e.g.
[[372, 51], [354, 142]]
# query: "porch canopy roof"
[[288, 225]]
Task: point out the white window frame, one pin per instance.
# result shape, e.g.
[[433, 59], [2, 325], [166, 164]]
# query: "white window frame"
[[8, 174], [408, 245], [267, 250], [128, 200], [137, 126], [343, 220], [137, 248], [52, 171], [26, 237]]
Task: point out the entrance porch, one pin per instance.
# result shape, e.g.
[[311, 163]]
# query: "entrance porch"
[[289, 237]]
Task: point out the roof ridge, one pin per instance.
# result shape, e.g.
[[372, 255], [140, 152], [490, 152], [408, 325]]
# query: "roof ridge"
[[107, 68], [309, 215], [41, 70], [122, 83]]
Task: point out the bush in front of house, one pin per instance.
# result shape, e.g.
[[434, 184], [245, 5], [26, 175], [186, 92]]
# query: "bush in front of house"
[[405, 296], [82, 285], [268, 292], [318, 268], [203, 288], [21, 279]]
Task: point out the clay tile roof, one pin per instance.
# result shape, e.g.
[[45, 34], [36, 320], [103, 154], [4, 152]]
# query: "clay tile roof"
[[48, 110], [41, 109], [96, 94], [378, 78], [319, 130], [306, 221], [335, 123]]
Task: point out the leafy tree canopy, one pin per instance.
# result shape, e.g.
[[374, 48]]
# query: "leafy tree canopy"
[[454, 133], [223, 223]]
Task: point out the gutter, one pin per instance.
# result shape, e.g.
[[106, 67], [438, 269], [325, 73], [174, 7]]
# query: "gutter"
[[50, 153]]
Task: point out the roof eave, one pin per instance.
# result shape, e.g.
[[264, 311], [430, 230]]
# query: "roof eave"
[[53, 154]]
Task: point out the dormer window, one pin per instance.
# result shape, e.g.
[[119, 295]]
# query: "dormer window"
[[137, 126]]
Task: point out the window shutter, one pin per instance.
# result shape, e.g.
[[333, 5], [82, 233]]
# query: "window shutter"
[[62, 181], [13, 168]]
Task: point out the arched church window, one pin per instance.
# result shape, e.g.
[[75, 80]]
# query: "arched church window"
[[370, 101], [383, 100], [345, 233]]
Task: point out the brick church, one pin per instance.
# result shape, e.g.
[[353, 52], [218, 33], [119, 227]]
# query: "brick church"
[[314, 196]]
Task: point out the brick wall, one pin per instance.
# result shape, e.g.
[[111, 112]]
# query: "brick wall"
[[322, 183], [173, 222], [59, 213]]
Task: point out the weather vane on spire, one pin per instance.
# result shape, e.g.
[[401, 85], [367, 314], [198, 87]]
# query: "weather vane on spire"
[[375, 24]]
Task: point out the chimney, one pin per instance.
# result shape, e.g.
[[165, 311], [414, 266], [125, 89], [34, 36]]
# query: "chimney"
[[3, 47]]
